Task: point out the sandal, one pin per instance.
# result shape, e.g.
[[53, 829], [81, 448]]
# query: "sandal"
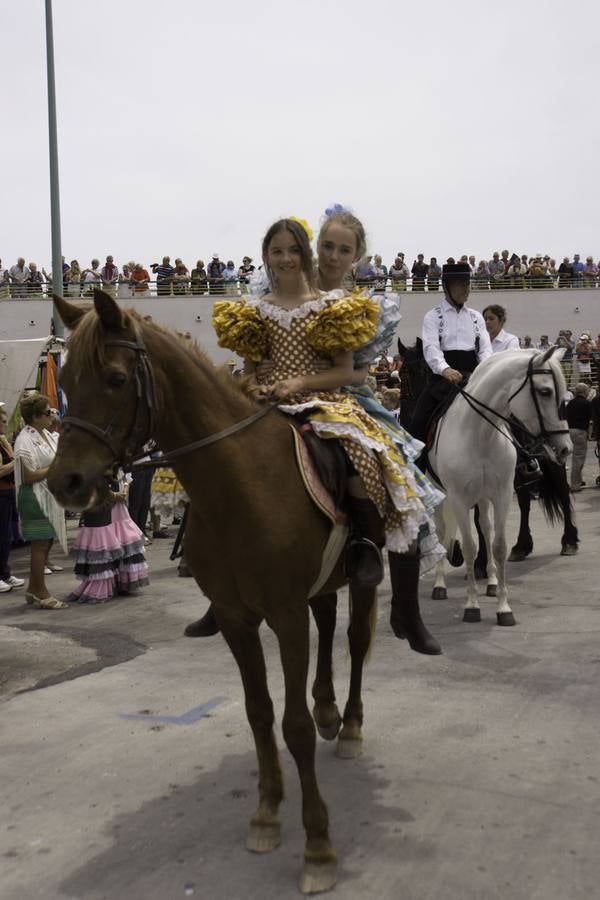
[[46, 602]]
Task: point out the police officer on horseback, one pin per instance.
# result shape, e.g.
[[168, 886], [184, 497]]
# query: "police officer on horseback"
[[455, 340]]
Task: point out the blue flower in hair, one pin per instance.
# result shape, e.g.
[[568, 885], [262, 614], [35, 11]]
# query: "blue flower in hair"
[[336, 210]]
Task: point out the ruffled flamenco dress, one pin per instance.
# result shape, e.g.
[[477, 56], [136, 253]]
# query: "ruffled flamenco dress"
[[109, 555], [295, 340]]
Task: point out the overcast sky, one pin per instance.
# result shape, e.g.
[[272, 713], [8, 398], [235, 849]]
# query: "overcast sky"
[[186, 128]]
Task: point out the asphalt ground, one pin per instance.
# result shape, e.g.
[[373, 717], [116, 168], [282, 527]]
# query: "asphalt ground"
[[127, 768]]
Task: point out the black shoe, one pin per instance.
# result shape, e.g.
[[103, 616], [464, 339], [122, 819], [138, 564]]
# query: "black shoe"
[[363, 564], [161, 533], [204, 627], [405, 618]]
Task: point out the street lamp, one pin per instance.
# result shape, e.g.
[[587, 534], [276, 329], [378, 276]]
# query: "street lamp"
[[57, 273]]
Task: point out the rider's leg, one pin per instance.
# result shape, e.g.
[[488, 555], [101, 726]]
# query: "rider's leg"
[[364, 563], [405, 617]]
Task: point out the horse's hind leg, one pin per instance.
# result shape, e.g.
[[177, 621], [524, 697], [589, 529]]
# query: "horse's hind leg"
[[325, 711], [319, 872], [362, 608], [485, 526], [265, 831], [524, 544], [570, 537]]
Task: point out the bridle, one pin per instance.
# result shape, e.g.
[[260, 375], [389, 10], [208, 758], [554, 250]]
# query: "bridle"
[[530, 444], [142, 427]]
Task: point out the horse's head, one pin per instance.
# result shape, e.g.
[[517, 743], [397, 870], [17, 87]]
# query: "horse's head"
[[110, 394], [538, 402]]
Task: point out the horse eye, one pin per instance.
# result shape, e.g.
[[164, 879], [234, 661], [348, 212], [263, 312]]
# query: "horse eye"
[[116, 379], [545, 392]]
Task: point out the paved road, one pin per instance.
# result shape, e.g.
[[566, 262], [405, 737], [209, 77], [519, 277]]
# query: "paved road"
[[127, 769]]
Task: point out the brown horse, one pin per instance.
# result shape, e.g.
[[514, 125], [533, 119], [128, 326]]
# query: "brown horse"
[[254, 539]]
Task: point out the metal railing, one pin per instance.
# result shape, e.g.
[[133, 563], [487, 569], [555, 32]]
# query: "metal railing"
[[187, 288]]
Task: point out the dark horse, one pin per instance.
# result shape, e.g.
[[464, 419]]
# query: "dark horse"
[[254, 538], [554, 493]]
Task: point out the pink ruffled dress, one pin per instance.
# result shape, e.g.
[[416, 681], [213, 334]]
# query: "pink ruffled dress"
[[109, 555]]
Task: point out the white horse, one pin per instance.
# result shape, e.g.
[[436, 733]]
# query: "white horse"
[[473, 456]]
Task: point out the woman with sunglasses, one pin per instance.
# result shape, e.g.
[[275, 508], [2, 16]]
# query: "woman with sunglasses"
[[42, 519]]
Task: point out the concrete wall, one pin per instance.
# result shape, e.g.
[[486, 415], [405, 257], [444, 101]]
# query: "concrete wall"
[[531, 312]]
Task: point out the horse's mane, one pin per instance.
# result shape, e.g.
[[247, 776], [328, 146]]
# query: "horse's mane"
[[86, 348]]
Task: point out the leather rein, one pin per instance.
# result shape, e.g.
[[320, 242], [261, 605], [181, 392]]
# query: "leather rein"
[[145, 416], [535, 441]]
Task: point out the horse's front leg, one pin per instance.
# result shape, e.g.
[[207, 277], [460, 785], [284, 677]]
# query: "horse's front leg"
[[363, 605], [291, 628], [439, 591], [243, 640], [504, 614], [472, 612], [325, 711], [485, 526]]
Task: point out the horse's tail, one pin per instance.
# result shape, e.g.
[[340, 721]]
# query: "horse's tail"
[[555, 496]]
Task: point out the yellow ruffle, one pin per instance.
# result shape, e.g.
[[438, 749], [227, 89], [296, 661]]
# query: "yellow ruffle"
[[240, 328], [345, 324]]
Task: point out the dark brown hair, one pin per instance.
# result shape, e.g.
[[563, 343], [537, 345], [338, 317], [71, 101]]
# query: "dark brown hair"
[[306, 254], [350, 221], [33, 405], [497, 311]]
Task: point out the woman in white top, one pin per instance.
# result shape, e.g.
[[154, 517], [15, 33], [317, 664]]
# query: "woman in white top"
[[495, 317], [41, 518]]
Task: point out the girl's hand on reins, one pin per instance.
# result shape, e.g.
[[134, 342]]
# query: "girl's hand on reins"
[[265, 368], [282, 389]]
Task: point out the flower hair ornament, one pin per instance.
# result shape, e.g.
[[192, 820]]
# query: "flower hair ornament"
[[304, 224], [336, 210]]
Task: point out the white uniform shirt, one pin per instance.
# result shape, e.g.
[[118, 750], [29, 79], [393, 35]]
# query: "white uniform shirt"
[[459, 329], [504, 340]]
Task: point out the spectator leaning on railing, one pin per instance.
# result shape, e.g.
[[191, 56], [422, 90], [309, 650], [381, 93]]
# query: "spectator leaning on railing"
[[19, 276], [496, 270], [164, 276], [216, 279], [399, 273], [199, 279]]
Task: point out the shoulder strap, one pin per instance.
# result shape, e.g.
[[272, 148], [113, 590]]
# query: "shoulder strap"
[[475, 322], [440, 316]]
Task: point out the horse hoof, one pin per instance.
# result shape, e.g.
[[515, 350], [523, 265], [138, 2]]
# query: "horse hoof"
[[329, 732], [263, 838], [569, 550], [439, 593], [318, 877], [472, 614], [518, 555], [349, 748], [505, 618], [491, 590]]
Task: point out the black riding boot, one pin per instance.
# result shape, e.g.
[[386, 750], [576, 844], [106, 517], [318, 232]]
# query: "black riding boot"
[[363, 563], [405, 617], [204, 627]]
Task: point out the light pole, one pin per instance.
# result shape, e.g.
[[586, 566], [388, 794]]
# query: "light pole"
[[57, 273]]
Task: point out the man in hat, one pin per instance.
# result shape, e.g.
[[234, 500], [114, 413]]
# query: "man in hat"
[[455, 340], [215, 271], [578, 415]]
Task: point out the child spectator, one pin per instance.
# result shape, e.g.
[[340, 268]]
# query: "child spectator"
[[109, 550]]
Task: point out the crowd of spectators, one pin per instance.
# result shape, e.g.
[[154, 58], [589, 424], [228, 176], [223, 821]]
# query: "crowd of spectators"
[[504, 271], [134, 279]]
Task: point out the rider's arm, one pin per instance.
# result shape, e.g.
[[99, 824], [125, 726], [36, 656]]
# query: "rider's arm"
[[359, 376], [341, 372]]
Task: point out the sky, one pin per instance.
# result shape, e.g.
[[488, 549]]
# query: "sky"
[[187, 128]]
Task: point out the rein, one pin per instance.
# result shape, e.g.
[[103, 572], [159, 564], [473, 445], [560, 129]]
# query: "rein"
[[143, 375]]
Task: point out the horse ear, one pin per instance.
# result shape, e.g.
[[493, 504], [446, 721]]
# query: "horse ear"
[[69, 312], [419, 346], [401, 347], [109, 311], [548, 353]]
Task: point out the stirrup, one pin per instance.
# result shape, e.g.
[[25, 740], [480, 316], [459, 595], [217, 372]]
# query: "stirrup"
[[363, 563]]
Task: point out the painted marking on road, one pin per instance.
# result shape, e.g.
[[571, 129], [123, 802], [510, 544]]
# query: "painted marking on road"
[[188, 718]]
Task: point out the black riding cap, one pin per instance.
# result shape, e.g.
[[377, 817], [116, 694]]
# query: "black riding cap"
[[455, 272]]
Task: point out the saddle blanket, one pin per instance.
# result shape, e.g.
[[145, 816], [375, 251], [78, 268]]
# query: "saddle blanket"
[[338, 534]]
